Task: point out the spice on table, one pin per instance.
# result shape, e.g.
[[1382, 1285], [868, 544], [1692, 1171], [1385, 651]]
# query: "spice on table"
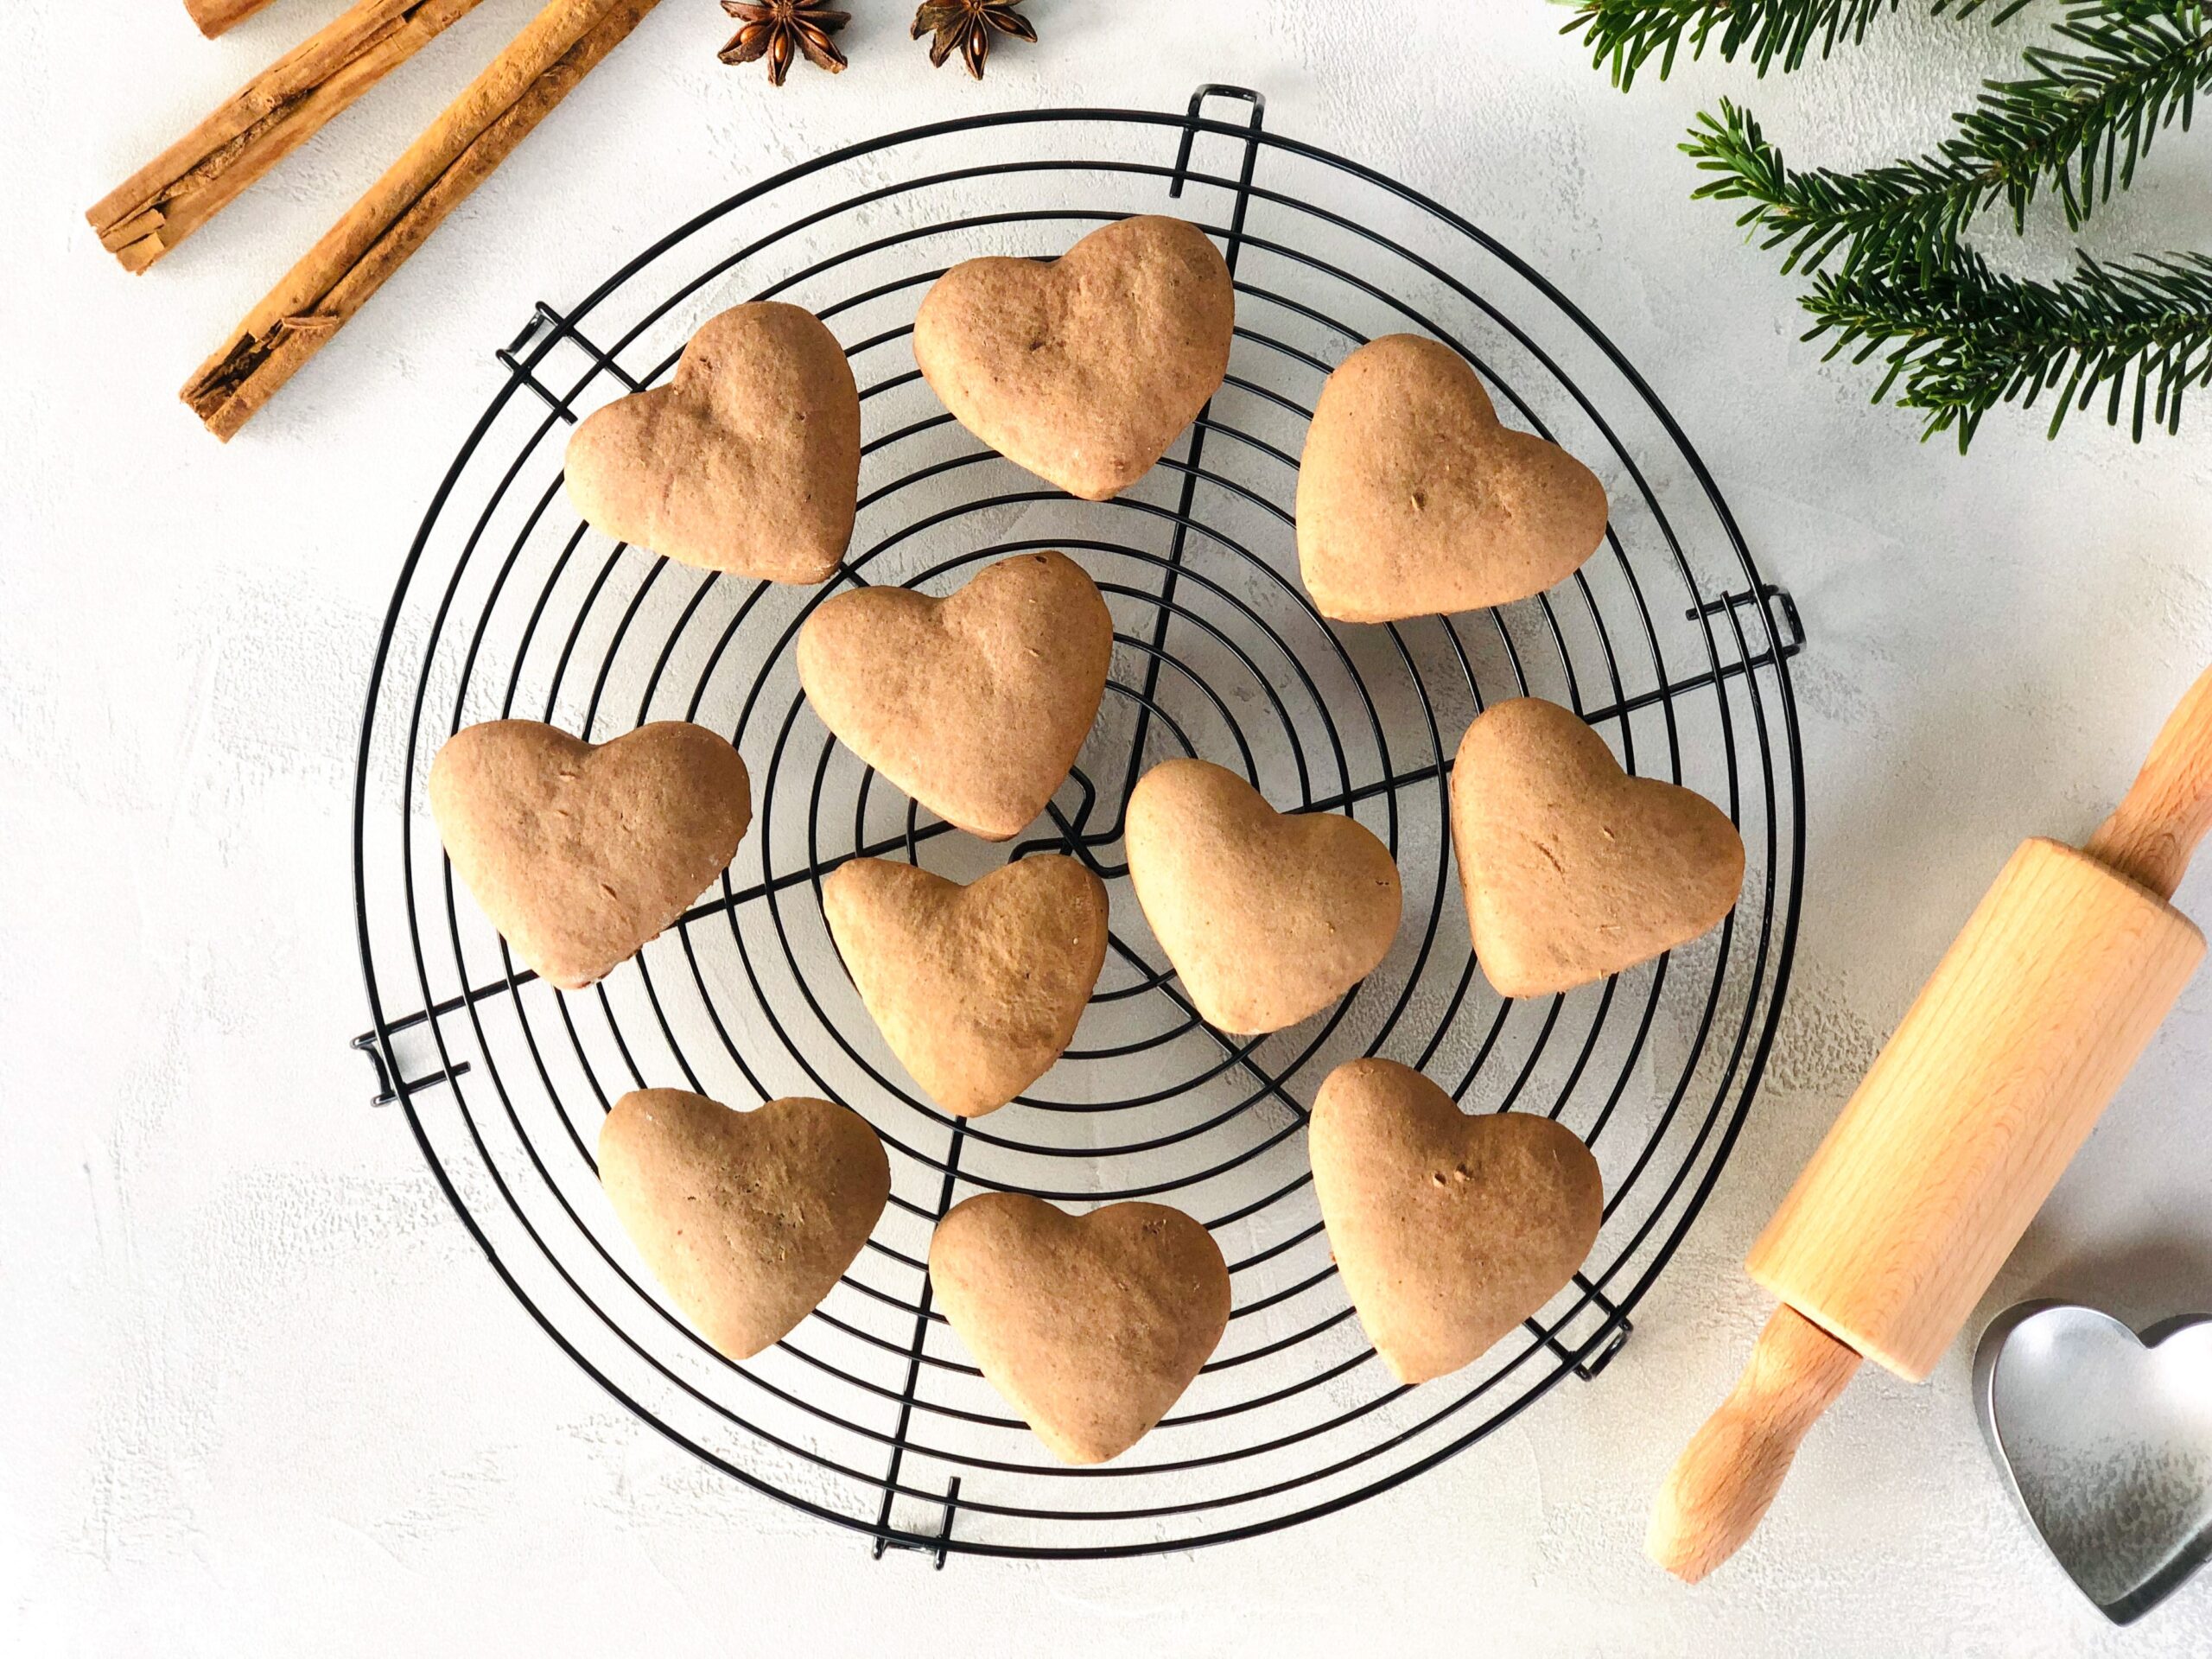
[[966, 27], [782, 29], [214, 16], [538, 68], [269, 117]]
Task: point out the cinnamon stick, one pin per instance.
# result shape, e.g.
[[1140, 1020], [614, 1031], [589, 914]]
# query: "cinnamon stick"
[[214, 16], [558, 48], [269, 117]]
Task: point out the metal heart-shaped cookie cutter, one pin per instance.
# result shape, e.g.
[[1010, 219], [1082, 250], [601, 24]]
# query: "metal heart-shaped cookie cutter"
[[2106, 1440]]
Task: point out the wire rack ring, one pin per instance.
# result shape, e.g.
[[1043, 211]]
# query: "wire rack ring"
[[871, 1415]]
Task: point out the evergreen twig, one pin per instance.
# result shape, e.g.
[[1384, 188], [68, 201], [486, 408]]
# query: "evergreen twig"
[[1625, 34], [1970, 339], [2083, 119], [1895, 278], [1905, 213]]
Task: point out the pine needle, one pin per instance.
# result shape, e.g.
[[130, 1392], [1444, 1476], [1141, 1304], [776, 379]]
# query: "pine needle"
[[1971, 340], [1625, 34], [1894, 277], [2082, 122], [2085, 117]]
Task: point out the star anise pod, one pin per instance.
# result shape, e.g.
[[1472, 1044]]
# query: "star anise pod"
[[965, 27], [779, 30]]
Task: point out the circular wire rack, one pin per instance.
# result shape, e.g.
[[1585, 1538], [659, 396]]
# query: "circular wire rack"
[[871, 1414]]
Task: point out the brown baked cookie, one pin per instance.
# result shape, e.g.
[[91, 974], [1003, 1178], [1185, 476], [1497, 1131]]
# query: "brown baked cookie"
[[1414, 500], [1448, 1229], [976, 988], [581, 852], [1572, 870], [1090, 1326], [1085, 368], [748, 460], [747, 1218], [975, 704], [1267, 916]]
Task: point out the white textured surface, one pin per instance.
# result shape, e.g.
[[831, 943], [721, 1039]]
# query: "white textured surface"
[[263, 1397]]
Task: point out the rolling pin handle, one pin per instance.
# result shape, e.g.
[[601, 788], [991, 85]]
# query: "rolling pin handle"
[[2150, 835], [1730, 1471]]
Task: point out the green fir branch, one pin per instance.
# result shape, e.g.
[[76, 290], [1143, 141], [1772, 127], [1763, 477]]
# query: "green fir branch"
[[1905, 215], [1895, 278], [1625, 34], [2084, 120], [1971, 340], [2086, 117]]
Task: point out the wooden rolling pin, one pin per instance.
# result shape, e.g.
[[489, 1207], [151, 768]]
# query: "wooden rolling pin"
[[1957, 1134]]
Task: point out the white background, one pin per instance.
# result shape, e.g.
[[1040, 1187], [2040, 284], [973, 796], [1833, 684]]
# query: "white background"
[[259, 1395]]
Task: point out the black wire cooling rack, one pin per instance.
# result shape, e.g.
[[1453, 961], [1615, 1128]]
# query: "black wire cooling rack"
[[870, 1415]]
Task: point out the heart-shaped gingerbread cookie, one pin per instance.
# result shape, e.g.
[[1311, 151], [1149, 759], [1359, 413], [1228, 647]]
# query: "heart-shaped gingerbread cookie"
[[748, 460], [975, 704], [976, 988], [1090, 1326], [1572, 870], [1448, 1229], [1414, 500], [747, 1218], [581, 852], [1084, 369], [1267, 916]]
